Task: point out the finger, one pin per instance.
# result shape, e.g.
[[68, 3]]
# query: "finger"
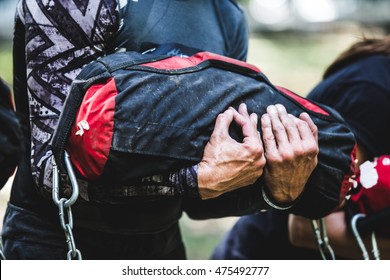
[[254, 118], [238, 117], [306, 134], [249, 131], [269, 140], [309, 141], [278, 129], [241, 116], [243, 110], [289, 124], [305, 117], [248, 123], [221, 128]]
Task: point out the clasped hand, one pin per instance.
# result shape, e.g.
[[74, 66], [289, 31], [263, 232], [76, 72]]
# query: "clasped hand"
[[285, 155]]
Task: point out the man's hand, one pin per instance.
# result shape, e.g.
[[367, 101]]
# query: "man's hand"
[[291, 149], [227, 164]]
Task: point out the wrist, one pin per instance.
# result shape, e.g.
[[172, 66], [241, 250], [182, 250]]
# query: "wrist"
[[185, 181], [209, 185], [268, 198]]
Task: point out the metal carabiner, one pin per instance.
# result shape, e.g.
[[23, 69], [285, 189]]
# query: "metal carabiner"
[[322, 239], [64, 205], [359, 240], [56, 182]]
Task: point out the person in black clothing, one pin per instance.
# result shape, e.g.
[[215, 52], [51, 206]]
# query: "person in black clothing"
[[357, 85]]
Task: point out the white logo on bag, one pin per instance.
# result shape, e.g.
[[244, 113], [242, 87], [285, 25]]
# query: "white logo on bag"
[[82, 125], [368, 174]]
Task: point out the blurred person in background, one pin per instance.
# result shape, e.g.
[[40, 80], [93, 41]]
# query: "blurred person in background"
[[357, 85]]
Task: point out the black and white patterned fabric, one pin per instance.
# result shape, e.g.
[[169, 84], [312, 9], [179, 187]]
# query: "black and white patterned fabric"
[[58, 44]]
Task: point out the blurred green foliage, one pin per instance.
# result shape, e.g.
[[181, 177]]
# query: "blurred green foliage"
[[6, 61]]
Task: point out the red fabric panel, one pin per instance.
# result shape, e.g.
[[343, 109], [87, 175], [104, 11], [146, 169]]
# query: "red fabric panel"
[[176, 62], [374, 186], [306, 103], [347, 184], [94, 125]]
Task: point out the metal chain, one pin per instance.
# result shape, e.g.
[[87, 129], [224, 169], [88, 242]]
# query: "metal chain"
[[64, 207]]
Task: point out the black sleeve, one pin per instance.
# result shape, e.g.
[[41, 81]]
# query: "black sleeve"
[[364, 107], [234, 28], [240, 202], [10, 136]]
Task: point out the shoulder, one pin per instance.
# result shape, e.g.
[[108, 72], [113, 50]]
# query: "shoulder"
[[373, 69], [232, 11], [235, 27], [369, 72], [72, 16]]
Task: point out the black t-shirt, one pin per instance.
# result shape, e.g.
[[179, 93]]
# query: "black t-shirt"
[[360, 92]]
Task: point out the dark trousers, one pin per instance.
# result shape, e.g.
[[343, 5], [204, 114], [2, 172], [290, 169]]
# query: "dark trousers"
[[28, 236]]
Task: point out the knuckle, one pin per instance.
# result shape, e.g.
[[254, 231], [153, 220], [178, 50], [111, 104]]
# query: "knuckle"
[[314, 129], [274, 159], [260, 163], [286, 155], [254, 148], [313, 149], [300, 152], [221, 116], [279, 127], [269, 138], [303, 124]]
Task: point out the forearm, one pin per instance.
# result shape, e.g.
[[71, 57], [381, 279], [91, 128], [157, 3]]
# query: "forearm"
[[340, 238]]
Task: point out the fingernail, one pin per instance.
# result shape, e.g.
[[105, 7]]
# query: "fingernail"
[[255, 118], [271, 109], [280, 107], [304, 113]]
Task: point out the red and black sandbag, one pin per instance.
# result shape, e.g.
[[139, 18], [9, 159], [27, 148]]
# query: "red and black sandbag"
[[132, 115]]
